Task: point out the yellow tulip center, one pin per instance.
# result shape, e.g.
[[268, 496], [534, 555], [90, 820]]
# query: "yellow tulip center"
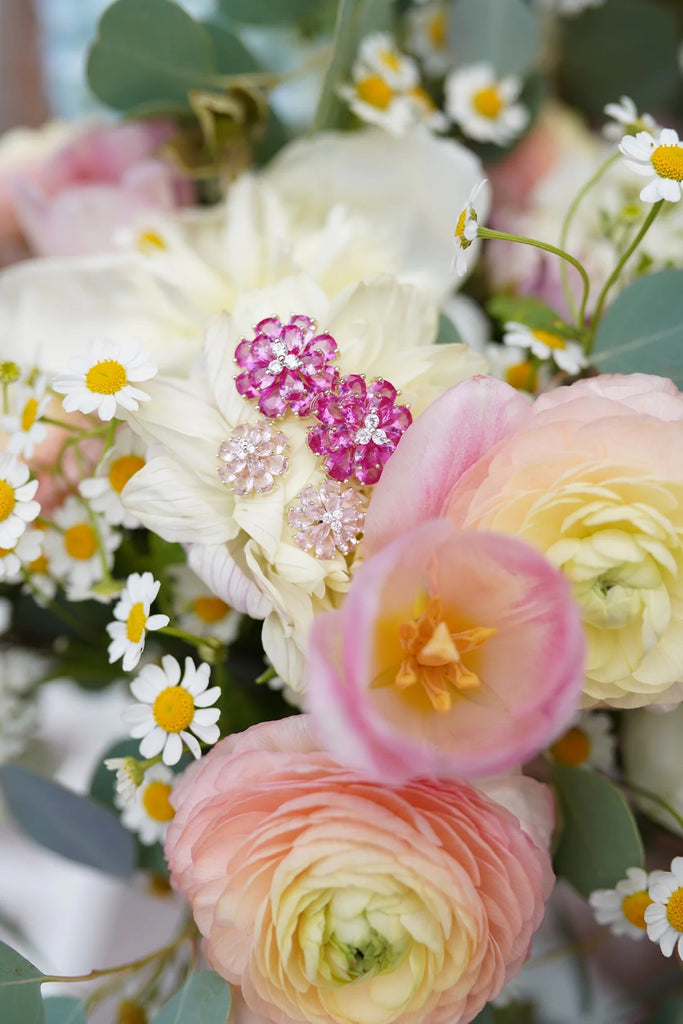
[[173, 709], [136, 622], [674, 910], [210, 609], [488, 102], [374, 91], [106, 377], [28, 416], [7, 500], [668, 162], [549, 338], [572, 749], [80, 541], [634, 907], [155, 800], [123, 469]]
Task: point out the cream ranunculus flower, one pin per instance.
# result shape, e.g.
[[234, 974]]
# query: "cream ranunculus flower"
[[653, 760], [242, 544]]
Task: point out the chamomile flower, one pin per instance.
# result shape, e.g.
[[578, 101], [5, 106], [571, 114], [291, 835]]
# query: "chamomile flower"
[[16, 505], [28, 403], [170, 706], [624, 118], [483, 106], [76, 548], [428, 36], [466, 230], [567, 354], [133, 619], [588, 743], [41, 584], [660, 159], [101, 380], [129, 775], [664, 915], [104, 490], [24, 551], [199, 611], [149, 811], [623, 908]]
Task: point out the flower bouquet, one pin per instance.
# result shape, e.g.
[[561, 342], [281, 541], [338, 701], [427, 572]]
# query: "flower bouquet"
[[341, 493]]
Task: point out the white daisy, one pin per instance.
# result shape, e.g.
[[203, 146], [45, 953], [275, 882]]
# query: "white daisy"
[[428, 36], [664, 916], [660, 159], [588, 743], [104, 490], [568, 355], [42, 586], [129, 775], [466, 230], [76, 548], [625, 118], [623, 907], [199, 611], [16, 505], [378, 54], [100, 381], [28, 403], [25, 551], [149, 811], [170, 706], [483, 106], [134, 621]]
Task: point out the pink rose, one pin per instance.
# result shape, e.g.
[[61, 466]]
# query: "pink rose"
[[454, 654], [330, 898]]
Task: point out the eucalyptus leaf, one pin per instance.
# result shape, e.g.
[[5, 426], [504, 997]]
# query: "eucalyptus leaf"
[[64, 1010], [599, 838], [74, 826], [232, 56], [267, 12], [642, 331], [20, 1000], [204, 997], [448, 333], [149, 52], [503, 32]]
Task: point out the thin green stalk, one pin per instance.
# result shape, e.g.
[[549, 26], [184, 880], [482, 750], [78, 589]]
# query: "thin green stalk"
[[656, 799], [344, 32], [61, 613], [195, 641]]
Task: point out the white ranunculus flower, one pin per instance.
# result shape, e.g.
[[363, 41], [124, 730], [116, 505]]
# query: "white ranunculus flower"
[[653, 760]]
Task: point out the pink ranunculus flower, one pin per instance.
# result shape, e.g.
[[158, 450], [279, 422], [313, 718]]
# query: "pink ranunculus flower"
[[592, 476], [332, 899], [454, 654]]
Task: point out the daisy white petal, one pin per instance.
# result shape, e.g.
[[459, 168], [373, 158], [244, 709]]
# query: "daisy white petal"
[[153, 743], [133, 619], [16, 505], [483, 106], [664, 917], [173, 749], [660, 158], [624, 909], [100, 381]]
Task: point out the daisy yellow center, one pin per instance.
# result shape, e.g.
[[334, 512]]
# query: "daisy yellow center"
[[136, 622], [437, 30], [28, 416], [155, 800], [422, 98], [106, 377], [391, 59], [633, 908], [521, 376], [674, 910], [210, 609], [488, 102], [80, 541], [39, 565], [572, 749], [148, 241], [668, 162], [374, 91], [433, 656], [549, 338], [460, 226], [123, 469], [7, 500], [4, 552], [173, 709]]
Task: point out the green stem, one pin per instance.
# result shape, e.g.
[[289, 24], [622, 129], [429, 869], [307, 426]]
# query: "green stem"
[[625, 256], [344, 33], [57, 610], [546, 247], [656, 799], [190, 638]]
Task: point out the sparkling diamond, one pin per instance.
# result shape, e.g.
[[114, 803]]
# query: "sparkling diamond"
[[279, 350], [364, 436], [380, 437], [291, 362], [372, 420], [274, 367]]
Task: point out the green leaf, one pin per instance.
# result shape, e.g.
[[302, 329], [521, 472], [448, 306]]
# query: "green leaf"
[[599, 838], [526, 309], [64, 1010], [71, 825], [267, 12], [625, 46], [448, 333], [671, 1012], [232, 56], [503, 32], [149, 52], [204, 997], [642, 331], [20, 1001]]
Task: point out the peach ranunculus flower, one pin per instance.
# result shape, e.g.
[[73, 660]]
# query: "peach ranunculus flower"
[[592, 476], [455, 653], [330, 898]]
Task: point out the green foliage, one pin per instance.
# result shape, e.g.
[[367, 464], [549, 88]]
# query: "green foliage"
[[503, 32], [267, 12], [624, 46], [73, 826], [671, 1012], [232, 56], [642, 331], [20, 1001], [64, 1010], [528, 310], [599, 839], [204, 997], [448, 333]]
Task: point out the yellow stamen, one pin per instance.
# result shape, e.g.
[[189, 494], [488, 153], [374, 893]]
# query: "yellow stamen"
[[123, 469], [488, 102], [106, 377], [374, 91], [668, 162], [634, 907], [572, 749], [39, 565], [674, 910], [80, 541], [5, 551], [436, 30], [149, 241], [521, 376], [210, 609], [155, 801], [7, 500], [549, 338], [28, 416], [391, 59], [460, 226], [136, 622], [173, 709]]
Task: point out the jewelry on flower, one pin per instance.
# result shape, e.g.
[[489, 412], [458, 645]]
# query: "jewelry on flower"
[[328, 520], [254, 456]]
